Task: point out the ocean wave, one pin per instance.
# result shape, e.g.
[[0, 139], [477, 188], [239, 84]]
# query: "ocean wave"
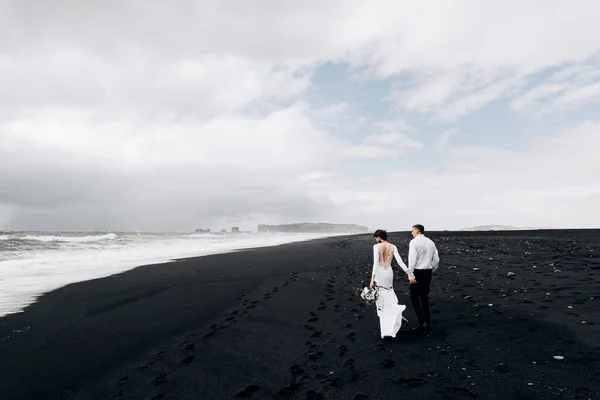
[[207, 235], [71, 239], [29, 268]]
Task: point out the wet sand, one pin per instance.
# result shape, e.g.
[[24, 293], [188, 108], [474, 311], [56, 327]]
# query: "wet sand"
[[287, 322]]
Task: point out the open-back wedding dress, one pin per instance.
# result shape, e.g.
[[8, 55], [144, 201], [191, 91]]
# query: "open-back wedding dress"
[[388, 309]]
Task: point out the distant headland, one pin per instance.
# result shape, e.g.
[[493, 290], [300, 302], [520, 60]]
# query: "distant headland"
[[312, 228], [499, 228], [304, 227]]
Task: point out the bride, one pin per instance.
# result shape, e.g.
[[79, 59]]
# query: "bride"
[[388, 309]]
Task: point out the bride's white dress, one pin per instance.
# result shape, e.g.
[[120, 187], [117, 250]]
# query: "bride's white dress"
[[388, 309]]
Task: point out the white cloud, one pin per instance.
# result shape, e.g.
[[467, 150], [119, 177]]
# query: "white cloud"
[[446, 48], [578, 96], [203, 108], [369, 151], [531, 99], [382, 145], [395, 125], [394, 139], [444, 138], [552, 182], [568, 88]]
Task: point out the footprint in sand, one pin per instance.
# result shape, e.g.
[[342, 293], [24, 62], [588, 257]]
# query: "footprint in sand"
[[463, 391], [187, 360], [248, 391], [314, 395], [583, 393], [298, 379], [296, 370], [337, 383], [410, 382], [160, 379], [290, 390], [313, 355]]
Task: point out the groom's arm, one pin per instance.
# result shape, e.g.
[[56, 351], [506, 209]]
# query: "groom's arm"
[[412, 256], [435, 262]]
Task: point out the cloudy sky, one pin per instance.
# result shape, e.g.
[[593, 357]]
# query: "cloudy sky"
[[173, 115]]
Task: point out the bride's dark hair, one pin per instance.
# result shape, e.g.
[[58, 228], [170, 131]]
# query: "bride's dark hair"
[[385, 250], [380, 233]]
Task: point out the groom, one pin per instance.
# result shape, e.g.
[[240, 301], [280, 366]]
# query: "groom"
[[423, 259]]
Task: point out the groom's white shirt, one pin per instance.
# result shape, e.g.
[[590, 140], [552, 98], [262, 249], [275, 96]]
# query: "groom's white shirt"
[[422, 254]]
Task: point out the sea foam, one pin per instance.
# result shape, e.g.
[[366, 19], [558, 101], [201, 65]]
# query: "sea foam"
[[35, 263]]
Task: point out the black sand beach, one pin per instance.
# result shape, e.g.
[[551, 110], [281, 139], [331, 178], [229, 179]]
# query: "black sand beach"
[[286, 322]]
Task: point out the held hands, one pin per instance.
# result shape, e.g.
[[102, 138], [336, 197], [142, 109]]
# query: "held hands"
[[411, 277]]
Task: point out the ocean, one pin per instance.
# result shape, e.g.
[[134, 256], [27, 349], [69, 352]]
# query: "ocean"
[[33, 263]]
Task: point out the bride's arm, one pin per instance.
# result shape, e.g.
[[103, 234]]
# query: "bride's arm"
[[411, 276], [399, 260], [375, 263]]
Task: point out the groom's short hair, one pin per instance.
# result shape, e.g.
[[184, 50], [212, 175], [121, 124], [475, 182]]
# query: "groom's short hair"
[[419, 227]]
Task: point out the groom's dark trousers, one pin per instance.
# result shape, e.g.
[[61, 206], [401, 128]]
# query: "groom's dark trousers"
[[419, 295]]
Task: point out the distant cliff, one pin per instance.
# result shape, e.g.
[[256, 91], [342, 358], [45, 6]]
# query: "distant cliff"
[[313, 228], [499, 228]]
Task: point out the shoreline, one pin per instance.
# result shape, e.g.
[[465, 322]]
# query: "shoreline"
[[24, 298], [286, 322]]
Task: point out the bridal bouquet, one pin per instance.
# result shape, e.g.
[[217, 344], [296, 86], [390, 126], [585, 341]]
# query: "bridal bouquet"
[[369, 294]]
